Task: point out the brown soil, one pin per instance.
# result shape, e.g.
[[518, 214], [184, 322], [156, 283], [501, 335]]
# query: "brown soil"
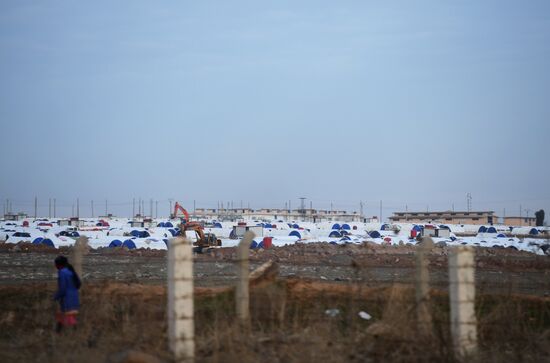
[[124, 301]]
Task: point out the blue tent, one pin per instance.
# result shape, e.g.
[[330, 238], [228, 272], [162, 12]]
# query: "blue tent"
[[295, 226], [345, 238], [129, 244], [135, 233], [333, 243], [165, 241], [37, 240], [47, 242], [384, 227], [500, 235], [335, 234], [491, 230], [74, 234], [173, 232], [374, 234], [115, 243], [417, 228], [295, 234], [168, 224], [161, 224], [533, 231], [442, 226], [346, 226], [336, 226], [217, 225], [268, 225], [344, 232], [482, 229], [253, 244]]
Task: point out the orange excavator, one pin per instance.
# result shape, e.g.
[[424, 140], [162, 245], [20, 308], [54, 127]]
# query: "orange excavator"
[[205, 241]]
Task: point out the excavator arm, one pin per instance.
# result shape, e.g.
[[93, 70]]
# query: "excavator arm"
[[177, 207]]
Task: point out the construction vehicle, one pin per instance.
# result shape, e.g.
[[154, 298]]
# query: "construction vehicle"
[[204, 241]]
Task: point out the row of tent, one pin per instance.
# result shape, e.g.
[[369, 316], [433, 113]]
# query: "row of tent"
[[483, 229], [130, 244], [337, 234], [343, 226]]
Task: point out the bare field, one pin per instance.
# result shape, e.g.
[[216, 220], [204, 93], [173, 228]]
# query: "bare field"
[[124, 301]]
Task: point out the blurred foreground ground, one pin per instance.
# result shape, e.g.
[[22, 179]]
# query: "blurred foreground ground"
[[124, 306]]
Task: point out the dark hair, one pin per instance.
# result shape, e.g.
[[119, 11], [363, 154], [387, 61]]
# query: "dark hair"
[[64, 262]]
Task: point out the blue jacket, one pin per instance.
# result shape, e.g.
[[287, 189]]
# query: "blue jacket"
[[67, 292]]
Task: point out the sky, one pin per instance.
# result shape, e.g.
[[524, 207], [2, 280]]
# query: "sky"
[[412, 103]]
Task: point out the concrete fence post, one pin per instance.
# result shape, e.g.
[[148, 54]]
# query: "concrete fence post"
[[462, 300], [77, 252], [241, 293], [422, 288], [181, 325]]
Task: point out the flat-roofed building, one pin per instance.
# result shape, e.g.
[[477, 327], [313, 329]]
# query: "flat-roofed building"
[[451, 217], [520, 221]]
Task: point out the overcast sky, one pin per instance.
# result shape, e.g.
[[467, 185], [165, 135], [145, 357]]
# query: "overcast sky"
[[415, 103]]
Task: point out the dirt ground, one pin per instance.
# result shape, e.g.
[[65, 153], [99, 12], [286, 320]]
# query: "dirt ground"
[[498, 270], [124, 300]]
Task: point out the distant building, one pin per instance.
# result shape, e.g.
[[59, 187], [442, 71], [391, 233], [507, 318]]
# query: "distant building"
[[451, 217], [270, 214], [520, 221], [14, 217]]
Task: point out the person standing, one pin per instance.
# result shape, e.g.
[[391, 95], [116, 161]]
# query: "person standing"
[[68, 284]]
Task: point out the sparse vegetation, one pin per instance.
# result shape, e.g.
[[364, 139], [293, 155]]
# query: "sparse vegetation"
[[289, 324]]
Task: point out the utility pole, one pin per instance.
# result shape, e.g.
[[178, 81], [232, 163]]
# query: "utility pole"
[[380, 210], [469, 201], [170, 200], [133, 207], [527, 216], [361, 208], [49, 207], [54, 207], [77, 208], [151, 208], [35, 207]]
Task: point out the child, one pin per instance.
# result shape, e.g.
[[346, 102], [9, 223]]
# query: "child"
[[68, 284]]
